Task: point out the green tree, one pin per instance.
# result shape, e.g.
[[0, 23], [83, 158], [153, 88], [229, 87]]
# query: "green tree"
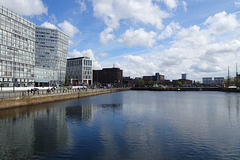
[[179, 83], [229, 81], [140, 82], [150, 83]]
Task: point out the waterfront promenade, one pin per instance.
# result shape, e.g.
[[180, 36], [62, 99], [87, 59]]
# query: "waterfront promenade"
[[12, 99]]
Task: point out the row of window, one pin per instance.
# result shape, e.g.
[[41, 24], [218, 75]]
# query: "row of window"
[[17, 75], [15, 16], [79, 63], [18, 29], [51, 33]]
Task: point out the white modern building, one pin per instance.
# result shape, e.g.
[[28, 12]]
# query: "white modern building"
[[51, 56], [17, 49], [79, 71], [218, 80], [210, 80], [207, 80]]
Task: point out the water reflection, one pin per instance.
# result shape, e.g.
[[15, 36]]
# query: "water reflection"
[[233, 105], [125, 125], [30, 130], [80, 113]]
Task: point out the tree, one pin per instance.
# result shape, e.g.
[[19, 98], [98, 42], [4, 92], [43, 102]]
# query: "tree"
[[179, 83], [229, 81], [150, 83], [140, 82]]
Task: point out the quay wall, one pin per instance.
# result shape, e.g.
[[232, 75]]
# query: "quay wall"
[[7, 103], [179, 89]]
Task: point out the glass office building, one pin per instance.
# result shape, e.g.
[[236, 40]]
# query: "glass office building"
[[51, 56], [79, 71], [17, 49]]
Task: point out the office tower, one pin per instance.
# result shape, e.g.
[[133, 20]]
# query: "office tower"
[[51, 56], [17, 49], [79, 70]]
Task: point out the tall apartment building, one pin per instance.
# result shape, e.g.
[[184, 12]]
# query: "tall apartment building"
[[17, 49], [51, 56], [79, 70]]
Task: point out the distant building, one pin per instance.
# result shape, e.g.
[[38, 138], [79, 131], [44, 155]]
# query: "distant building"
[[79, 71], [218, 80], [210, 80], [149, 78], [184, 76], [156, 77], [51, 56], [106, 76], [207, 80], [128, 82], [183, 80]]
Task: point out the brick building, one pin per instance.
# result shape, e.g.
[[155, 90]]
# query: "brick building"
[[113, 76]]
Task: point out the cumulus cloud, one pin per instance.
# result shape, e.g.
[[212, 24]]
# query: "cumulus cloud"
[[192, 37], [171, 4], [137, 11], [106, 35], [48, 25], [169, 30], [138, 38], [222, 22], [26, 7], [196, 50], [68, 28], [86, 53]]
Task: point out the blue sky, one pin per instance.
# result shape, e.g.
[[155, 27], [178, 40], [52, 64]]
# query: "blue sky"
[[198, 37]]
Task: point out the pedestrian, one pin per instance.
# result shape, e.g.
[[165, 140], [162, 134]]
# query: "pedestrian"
[[28, 91]]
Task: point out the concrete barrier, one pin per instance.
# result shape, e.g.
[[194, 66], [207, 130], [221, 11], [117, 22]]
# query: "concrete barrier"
[[37, 99]]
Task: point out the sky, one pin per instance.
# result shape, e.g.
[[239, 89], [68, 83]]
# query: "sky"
[[142, 37]]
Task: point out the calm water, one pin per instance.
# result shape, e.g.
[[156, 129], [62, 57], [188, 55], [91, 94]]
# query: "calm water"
[[130, 125]]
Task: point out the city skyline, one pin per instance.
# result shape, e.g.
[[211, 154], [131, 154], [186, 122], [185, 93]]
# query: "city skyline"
[[143, 37]]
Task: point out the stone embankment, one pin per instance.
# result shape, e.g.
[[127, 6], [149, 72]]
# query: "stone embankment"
[[6, 103]]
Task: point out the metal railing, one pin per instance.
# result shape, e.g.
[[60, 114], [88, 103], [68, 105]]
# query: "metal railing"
[[28, 93]]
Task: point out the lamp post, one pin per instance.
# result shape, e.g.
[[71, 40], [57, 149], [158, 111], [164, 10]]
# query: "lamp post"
[[13, 71]]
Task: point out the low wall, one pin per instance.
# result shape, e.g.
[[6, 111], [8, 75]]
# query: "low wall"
[[37, 99]]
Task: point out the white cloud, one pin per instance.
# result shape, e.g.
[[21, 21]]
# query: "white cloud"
[[184, 5], [171, 4], [222, 22], [86, 53], [53, 18], [137, 11], [169, 30], [196, 50], [104, 54], [68, 28], [192, 37], [82, 5], [106, 35], [144, 11], [237, 3], [48, 25], [25, 7], [138, 38]]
